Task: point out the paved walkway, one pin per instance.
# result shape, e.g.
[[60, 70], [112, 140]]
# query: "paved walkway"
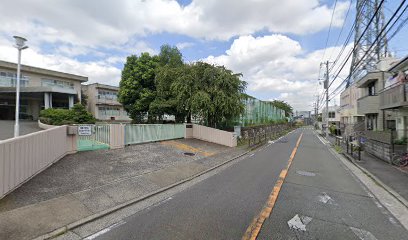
[[392, 176], [87, 183], [26, 127]]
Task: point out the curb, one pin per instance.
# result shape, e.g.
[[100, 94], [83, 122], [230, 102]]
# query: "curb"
[[101, 214], [393, 193], [378, 181]]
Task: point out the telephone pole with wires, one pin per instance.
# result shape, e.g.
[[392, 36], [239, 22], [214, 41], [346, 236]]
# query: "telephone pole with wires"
[[326, 87]]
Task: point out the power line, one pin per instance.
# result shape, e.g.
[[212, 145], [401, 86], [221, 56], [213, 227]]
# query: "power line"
[[342, 27], [381, 35], [328, 33]]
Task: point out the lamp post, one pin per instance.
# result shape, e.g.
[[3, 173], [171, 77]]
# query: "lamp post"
[[20, 45]]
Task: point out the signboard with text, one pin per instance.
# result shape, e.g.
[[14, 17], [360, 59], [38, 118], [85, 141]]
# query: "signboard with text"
[[84, 130]]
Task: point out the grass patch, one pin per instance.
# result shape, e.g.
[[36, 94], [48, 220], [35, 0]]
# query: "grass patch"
[[338, 148]]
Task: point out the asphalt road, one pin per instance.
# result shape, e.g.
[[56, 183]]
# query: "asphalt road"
[[319, 199]]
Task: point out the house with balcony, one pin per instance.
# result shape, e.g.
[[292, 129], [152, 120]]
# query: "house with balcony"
[[39, 89], [376, 119], [393, 97], [102, 102]]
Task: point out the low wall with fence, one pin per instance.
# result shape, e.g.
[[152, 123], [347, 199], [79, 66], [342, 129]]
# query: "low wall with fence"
[[24, 157], [143, 133], [211, 135]]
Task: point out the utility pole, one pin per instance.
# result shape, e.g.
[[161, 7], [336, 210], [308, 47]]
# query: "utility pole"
[[326, 86]]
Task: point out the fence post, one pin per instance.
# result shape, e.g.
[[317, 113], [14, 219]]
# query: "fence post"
[[347, 145], [392, 142], [351, 149], [359, 153]]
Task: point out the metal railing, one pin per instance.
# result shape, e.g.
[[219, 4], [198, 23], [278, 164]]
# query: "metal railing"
[[394, 96], [142, 133]]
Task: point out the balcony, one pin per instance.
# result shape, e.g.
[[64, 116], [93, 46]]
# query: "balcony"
[[394, 96], [368, 104], [11, 81], [370, 77]]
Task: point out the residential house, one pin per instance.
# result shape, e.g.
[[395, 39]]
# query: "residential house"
[[39, 89], [102, 102], [333, 116], [350, 120], [368, 104], [393, 97]]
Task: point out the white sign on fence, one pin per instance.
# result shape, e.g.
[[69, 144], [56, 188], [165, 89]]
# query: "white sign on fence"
[[84, 130]]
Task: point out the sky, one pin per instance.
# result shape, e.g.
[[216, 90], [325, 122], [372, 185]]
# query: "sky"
[[277, 45]]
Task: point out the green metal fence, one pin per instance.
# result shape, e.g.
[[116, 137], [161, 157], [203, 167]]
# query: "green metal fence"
[[99, 138], [260, 112], [141, 133]]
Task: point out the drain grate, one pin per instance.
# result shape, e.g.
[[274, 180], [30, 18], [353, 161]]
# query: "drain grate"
[[189, 154]]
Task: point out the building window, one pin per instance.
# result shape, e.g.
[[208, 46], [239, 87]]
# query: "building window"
[[9, 79], [332, 115], [105, 94], [109, 111], [371, 89], [57, 83]]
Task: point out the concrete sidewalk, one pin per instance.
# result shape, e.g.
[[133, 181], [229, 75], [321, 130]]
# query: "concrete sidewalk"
[[393, 177], [89, 183]]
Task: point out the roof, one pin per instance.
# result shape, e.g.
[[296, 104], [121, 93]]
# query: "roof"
[[104, 86], [31, 69], [400, 65]]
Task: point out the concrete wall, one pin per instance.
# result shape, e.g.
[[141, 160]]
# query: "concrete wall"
[[214, 135], [24, 157]]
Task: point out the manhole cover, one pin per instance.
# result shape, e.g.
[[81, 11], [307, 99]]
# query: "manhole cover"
[[304, 173], [189, 154]]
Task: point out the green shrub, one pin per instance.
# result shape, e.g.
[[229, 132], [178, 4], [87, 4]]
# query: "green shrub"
[[77, 114], [332, 129], [402, 141]]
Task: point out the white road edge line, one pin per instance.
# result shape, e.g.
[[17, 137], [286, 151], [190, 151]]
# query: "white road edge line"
[[395, 207], [105, 230]]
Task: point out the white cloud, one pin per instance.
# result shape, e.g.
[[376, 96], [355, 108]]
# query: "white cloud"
[[184, 45], [102, 72], [277, 65], [273, 63], [107, 23]]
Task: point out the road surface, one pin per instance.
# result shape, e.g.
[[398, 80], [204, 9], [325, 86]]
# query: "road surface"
[[319, 199]]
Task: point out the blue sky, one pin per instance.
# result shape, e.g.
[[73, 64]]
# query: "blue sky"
[[277, 45]]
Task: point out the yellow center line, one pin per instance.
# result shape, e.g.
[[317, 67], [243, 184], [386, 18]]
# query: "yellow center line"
[[255, 227]]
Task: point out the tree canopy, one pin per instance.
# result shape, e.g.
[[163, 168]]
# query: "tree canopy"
[[155, 85], [284, 106]]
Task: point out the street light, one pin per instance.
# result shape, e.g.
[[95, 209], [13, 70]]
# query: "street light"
[[20, 41]]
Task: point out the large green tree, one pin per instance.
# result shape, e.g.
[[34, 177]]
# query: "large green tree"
[[284, 106], [137, 86], [208, 92], [170, 68]]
